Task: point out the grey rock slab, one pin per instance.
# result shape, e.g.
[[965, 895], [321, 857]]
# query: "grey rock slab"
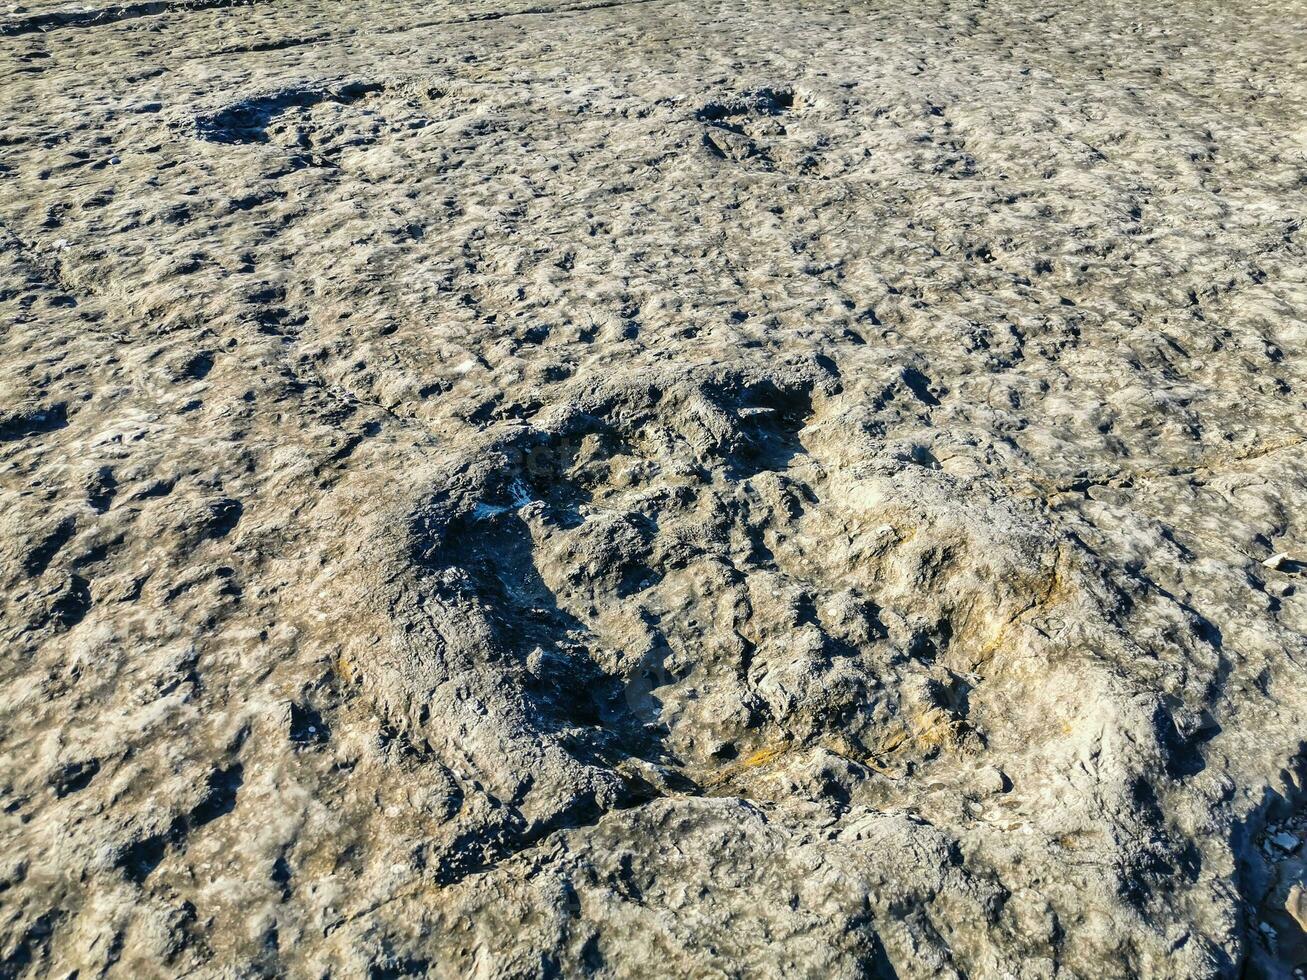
[[652, 488]]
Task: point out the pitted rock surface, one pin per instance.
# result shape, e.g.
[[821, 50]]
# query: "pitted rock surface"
[[653, 488]]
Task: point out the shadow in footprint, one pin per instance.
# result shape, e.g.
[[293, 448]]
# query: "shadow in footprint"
[[247, 121], [550, 649], [770, 420], [1275, 942]]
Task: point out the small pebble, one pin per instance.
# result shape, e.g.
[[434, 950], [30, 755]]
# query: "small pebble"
[[1277, 561], [1285, 842]]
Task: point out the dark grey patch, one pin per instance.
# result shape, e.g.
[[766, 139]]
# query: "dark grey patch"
[[760, 102], [73, 777], [247, 121], [39, 558], [111, 15], [920, 386], [307, 726], [31, 946], [220, 799], [281, 875], [223, 517], [32, 422], [101, 490], [770, 420], [199, 366], [72, 606], [139, 859], [393, 968]]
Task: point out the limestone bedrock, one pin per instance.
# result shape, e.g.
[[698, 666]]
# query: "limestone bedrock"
[[653, 488]]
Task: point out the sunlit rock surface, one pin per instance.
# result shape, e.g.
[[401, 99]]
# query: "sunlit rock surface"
[[653, 489]]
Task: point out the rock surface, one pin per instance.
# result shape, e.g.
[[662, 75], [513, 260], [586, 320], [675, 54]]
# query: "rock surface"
[[653, 488]]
